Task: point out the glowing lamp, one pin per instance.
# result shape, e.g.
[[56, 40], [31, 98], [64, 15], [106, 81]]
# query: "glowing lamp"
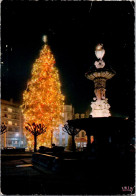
[[17, 134]]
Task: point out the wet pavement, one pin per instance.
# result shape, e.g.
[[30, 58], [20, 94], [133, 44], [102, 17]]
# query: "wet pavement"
[[20, 176]]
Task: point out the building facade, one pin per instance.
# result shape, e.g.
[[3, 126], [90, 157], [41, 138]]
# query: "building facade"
[[80, 138], [60, 138], [12, 117]]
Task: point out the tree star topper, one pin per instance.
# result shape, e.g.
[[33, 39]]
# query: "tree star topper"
[[44, 38]]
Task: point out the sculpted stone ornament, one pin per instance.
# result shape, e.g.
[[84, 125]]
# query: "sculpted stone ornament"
[[99, 52], [100, 108], [99, 64]]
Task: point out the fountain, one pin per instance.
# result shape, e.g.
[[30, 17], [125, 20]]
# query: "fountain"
[[105, 128], [99, 74]]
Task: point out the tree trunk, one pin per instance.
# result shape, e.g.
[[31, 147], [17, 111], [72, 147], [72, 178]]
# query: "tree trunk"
[[69, 147], [88, 142], [35, 143], [51, 137], [73, 143], [5, 142]]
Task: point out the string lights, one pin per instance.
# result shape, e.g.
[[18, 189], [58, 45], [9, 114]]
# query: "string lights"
[[43, 102]]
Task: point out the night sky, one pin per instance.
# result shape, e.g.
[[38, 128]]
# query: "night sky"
[[73, 30]]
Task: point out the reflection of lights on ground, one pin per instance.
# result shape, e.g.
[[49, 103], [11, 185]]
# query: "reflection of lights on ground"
[[24, 165]]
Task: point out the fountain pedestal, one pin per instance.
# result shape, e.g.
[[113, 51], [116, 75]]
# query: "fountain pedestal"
[[99, 74], [106, 131]]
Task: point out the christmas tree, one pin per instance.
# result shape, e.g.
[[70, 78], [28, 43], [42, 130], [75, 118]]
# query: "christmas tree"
[[43, 102]]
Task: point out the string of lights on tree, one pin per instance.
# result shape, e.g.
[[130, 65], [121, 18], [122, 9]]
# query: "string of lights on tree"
[[43, 102]]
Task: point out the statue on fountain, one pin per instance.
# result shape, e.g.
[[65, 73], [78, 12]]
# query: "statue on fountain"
[[99, 75]]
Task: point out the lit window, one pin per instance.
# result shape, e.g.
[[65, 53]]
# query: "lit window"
[[9, 122], [92, 139], [15, 124], [17, 134], [82, 144], [9, 116], [76, 116], [83, 134], [82, 115], [85, 144], [10, 129], [77, 135], [78, 144], [9, 142], [15, 142], [9, 109], [5, 115]]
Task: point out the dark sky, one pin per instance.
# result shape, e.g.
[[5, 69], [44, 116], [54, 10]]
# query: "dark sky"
[[73, 29]]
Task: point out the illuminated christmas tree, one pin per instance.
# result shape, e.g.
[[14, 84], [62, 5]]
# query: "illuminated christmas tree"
[[43, 100]]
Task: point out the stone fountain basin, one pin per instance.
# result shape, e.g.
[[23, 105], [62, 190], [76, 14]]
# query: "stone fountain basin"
[[101, 125]]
